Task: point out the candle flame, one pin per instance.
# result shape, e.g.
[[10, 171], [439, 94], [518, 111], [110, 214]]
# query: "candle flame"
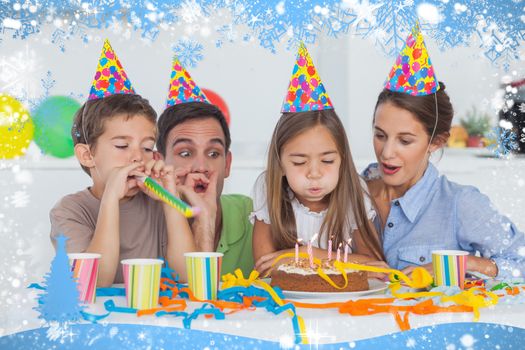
[[314, 237]]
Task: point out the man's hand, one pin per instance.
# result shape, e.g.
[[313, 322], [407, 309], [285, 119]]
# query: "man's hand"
[[201, 191]]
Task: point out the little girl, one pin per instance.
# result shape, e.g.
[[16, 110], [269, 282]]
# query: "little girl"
[[310, 187]]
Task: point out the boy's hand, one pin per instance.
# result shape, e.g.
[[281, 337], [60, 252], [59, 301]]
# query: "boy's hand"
[[122, 179], [161, 173]]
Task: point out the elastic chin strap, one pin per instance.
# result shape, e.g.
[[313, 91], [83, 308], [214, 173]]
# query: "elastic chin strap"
[[84, 135], [433, 131], [435, 123]]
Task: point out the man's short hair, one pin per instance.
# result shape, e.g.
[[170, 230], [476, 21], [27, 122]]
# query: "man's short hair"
[[89, 120], [183, 112]]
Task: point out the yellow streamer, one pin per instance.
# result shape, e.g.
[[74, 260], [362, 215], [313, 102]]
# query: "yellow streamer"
[[475, 297], [421, 278], [476, 301], [237, 279]]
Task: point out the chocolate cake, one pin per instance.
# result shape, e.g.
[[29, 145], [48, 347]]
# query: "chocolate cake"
[[301, 277]]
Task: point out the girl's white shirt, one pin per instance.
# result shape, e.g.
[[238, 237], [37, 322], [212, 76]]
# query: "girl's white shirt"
[[308, 222]]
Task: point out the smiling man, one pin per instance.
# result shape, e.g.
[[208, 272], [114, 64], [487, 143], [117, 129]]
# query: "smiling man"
[[194, 136]]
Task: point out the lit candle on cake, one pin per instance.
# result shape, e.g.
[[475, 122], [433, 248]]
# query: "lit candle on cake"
[[310, 252], [297, 250], [347, 246], [330, 249], [339, 252]]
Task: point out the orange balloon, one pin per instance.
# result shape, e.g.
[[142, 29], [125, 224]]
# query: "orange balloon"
[[217, 100]]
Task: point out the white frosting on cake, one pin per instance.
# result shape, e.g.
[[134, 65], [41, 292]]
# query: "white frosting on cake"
[[293, 268]]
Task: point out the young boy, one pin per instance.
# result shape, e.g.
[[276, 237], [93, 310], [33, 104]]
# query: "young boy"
[[114, 137]]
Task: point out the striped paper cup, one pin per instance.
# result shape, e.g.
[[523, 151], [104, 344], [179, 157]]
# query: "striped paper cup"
[[204, 271], [85, 271], [142, 282], [450, 267]]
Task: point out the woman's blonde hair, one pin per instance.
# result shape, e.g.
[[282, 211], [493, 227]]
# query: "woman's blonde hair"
[[347, 195]]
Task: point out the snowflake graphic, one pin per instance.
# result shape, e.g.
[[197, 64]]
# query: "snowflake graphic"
[[393, 19], [190, 11], [20, 199], [18, 73], [522, 107], [47, 83], [502, 142], [496, 27], [60, 332], [189, 52], [411, 343]]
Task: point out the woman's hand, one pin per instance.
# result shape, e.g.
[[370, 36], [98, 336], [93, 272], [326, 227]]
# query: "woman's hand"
[[408, 270], [483, 265], [378, 275]]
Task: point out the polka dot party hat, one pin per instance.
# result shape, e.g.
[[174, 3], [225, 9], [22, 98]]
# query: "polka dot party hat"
[[110, 78], [182, 87], [306, 92], [413, 72]]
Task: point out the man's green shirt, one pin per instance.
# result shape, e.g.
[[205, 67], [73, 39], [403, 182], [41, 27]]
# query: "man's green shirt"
[[236, 235]]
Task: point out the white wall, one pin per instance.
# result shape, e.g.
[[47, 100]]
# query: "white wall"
[[253, 81]]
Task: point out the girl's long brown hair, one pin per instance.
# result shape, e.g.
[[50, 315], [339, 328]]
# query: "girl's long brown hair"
[[347, 195]]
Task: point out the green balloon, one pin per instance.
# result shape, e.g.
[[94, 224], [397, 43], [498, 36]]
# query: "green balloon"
[[53, 119]]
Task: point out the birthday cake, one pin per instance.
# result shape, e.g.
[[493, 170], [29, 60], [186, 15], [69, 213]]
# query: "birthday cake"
[[299, 276]]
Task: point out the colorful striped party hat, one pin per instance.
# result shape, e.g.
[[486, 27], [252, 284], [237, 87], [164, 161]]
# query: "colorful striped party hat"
[[182, 87], [413, 72], [306, 92], [110, 78]]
